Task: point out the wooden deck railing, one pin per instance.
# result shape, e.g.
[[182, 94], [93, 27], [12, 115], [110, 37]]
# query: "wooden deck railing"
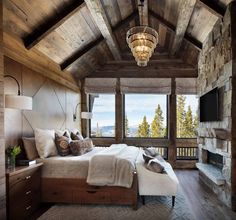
[[187, 153]]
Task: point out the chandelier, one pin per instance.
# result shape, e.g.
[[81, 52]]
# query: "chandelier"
[[142, 41]]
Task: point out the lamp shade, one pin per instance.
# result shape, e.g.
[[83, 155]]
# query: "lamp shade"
[[86, 115], [18, 102]]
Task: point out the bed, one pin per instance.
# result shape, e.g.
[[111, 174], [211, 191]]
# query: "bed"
[[64, 179]]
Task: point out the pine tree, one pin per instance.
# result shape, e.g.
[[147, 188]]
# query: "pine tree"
[[157, 128], [188, 124], [180, 116], [143, 128], [126, 126]]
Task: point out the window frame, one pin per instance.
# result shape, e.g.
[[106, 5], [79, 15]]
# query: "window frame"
[[152, 138], [90, 121], [184, 138]]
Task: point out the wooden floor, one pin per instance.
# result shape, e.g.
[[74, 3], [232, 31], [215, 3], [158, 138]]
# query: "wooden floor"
[[203, 203]]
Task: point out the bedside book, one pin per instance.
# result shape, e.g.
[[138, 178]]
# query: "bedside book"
[[25, 162]]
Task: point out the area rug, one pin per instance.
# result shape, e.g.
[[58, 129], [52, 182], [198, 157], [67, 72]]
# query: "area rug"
[[156, 207]]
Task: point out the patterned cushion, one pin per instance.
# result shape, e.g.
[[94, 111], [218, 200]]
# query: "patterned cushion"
[[30, 148], [76, 136], [79, 147], [154, 166], [62, 144]]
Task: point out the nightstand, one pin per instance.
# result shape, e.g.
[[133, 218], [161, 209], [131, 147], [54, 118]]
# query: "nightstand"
[[23, 191]]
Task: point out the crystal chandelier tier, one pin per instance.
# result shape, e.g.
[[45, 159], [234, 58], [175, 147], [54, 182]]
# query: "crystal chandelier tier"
[[142, 40]]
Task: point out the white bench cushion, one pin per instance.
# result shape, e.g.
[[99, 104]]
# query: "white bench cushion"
[[155, 184]]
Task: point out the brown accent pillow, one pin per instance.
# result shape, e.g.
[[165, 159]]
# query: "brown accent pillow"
[[79, 147], [155, 166], [62, 144], [76, 136], [30, 148]]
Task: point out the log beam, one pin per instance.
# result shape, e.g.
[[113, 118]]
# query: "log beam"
[[50, 25], [14, 48], [99, 16], [74, 57], [197, 44], [186, 8], [143, 12], [147, 73], [212, 7]]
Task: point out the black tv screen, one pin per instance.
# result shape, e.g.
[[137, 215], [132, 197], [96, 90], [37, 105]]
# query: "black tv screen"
[[209, 107]]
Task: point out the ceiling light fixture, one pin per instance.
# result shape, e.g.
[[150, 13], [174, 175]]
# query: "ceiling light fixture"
[[142, 41]]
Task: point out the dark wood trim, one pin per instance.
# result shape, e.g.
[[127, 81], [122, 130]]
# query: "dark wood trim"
[[172, 150], [118, 114], [197, 44], [212, 7], [147, 73], [52, 23], [69, 61], [84, 108]]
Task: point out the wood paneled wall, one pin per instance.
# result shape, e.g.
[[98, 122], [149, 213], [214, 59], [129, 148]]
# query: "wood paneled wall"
[[53, 103], [2, 145]]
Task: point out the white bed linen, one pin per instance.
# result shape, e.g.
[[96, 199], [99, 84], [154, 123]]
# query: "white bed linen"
[[68, 166]]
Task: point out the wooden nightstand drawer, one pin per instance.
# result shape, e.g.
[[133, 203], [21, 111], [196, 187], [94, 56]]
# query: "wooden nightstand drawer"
[[23, 191]]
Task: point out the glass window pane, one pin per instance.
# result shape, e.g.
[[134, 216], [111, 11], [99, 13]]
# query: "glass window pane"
[[145, 115], [187, 116], [103, 121]]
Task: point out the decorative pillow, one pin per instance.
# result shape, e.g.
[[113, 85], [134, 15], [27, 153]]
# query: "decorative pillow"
[[155, 166], [65, 133], [150, 151], [79, 147], [45, 142], [30, 148], [76, 136], [62, 144]]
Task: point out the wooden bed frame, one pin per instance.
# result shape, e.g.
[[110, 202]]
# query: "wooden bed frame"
[[70, 190]]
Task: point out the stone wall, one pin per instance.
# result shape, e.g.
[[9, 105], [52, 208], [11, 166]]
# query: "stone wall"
[[215, 70]]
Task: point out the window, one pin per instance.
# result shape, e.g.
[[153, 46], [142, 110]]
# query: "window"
[[103, 121], [145, 115], [187, 117]]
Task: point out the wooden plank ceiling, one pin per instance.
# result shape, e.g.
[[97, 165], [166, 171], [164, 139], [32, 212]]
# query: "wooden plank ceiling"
[[88, 38]]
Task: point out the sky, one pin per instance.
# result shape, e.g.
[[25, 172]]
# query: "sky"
[[136, 106]]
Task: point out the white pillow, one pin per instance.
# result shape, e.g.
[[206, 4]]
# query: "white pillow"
[[45, 142]]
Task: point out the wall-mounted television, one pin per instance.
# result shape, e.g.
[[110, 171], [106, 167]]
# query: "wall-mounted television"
[[209, 106]]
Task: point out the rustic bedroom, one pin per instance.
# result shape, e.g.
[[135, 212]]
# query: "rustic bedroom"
[[118, 109]]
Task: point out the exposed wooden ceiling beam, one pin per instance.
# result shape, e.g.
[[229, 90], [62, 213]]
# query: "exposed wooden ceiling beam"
[[68, 62], [128, 66], [197, 44], [99, 16], [147, 73], [14, 48], [143, 12], [185, 11], [50, 25], [212, 7]]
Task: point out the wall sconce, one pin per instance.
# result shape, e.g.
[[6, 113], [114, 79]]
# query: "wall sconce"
[[86, 115], [18, 101]]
